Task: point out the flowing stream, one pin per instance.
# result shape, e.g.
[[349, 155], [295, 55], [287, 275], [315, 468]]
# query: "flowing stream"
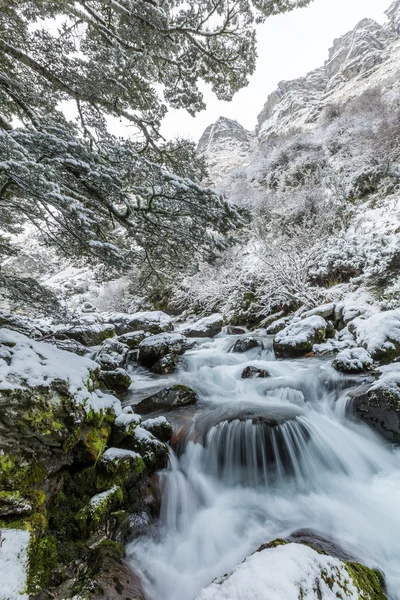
[[261, 458]]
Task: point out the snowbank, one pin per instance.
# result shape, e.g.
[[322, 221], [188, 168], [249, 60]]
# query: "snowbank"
[[13, 563]]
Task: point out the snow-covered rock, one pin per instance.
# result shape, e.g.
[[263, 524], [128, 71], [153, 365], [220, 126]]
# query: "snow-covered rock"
[[378, 404], [353, 360], [112, 354], [88, 334], [149, 321], [291, 571], [379, 334], [205, 327], [299, 337], [155, 347], [325, 311], [159, 427]]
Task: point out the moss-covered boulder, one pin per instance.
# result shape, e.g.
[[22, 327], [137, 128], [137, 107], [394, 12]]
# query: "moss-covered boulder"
[[117, 380], [95, 515], [168, 364], [124, 425], [170, 398], [58, 480], [295, 571], [299, 337], [159, 427]]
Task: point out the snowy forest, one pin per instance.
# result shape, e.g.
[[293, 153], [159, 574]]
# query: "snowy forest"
[[199, 341]]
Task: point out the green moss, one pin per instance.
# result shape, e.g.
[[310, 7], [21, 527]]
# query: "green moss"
[[96, 440], [95, 514], [369, 581], [42, 560], [181, 388], [107, 549]]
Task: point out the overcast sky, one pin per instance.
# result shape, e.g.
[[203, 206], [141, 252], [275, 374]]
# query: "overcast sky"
[[289, 46]]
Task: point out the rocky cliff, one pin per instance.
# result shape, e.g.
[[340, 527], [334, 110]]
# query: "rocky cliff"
[[366, 57]]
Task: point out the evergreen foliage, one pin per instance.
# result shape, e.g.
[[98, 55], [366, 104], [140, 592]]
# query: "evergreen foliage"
[[121, 201]]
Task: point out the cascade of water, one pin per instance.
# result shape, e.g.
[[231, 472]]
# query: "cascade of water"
[[264, 458]]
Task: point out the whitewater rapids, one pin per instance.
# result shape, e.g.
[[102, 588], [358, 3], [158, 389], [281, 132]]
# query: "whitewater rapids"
[[262, 458]]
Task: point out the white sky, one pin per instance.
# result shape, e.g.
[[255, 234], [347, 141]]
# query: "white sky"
[[289, 46]]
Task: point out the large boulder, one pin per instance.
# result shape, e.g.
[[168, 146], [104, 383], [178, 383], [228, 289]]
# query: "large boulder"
[[379, 334], [156, 347], [299, 337], [378, 404], [207, 327], [88, 334], [148, 321], [353, 360], [291, 571], [176, 396], [117, 380]]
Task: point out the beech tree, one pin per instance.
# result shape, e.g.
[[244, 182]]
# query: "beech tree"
[[88, 191]]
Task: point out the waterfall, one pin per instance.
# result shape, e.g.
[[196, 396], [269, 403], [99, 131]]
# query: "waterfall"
[[260, 459]]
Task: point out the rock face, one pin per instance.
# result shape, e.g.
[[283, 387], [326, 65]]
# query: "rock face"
[[155, 347], [226, 144], [367, 56], [353, 57], [57, 479], [299, 337]]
